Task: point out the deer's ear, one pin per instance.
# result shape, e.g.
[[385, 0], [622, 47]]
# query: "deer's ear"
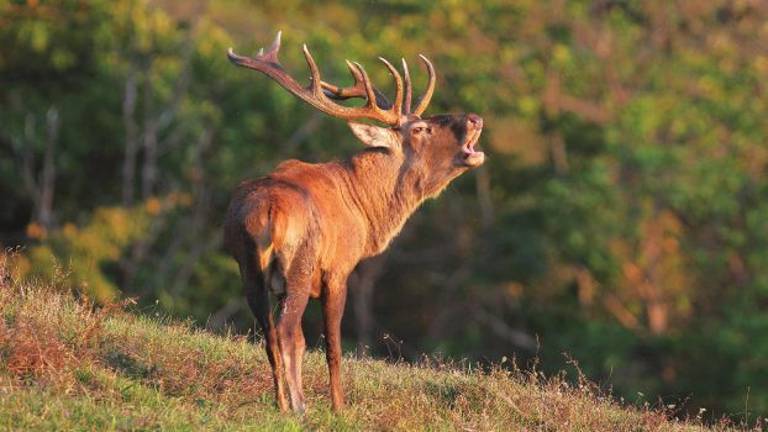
[[375, 136]]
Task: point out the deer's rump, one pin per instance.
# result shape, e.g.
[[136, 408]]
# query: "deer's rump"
[[267, 226]]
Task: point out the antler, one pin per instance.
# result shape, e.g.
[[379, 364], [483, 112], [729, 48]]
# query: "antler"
[[427, 96], [319, 93]]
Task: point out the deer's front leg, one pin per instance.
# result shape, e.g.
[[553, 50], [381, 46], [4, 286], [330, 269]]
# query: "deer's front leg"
[[333, 298]]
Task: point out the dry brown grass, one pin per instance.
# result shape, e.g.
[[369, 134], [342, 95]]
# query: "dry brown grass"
[[34, 351]]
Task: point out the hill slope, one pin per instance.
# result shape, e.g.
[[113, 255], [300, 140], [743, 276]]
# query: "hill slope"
[[65, 366]]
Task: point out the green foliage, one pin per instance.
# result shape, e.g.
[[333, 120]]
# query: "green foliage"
[[620, 216], [74, 258]]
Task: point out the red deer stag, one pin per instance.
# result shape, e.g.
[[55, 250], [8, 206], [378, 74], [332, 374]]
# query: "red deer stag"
[[298, 232]]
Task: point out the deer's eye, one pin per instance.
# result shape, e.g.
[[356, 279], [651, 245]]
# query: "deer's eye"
[[417, 130]]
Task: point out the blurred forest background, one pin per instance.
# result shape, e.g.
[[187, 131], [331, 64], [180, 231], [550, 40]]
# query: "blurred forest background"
[[621, 217]]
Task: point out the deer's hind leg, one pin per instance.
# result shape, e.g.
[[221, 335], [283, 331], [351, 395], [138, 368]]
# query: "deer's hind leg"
[[290, 334], [258, 299]]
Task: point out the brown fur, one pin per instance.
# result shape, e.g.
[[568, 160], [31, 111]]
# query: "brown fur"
[[300, 231]]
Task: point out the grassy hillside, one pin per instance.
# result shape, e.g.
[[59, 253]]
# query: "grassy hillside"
[[65, 365]]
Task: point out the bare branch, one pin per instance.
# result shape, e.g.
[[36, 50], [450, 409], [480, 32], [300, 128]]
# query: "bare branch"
[[514, 336]]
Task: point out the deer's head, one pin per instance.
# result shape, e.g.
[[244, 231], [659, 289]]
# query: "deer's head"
[[434, 150], [439, 148]]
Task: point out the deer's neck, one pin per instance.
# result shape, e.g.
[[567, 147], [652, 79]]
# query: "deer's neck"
[[386, 192]]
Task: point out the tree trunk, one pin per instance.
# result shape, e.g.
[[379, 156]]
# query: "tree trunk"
[[367, 274], [149, 146], [48, 176], [131, 138]]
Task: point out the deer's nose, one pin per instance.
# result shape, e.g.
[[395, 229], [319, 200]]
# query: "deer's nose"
[[474, 120]]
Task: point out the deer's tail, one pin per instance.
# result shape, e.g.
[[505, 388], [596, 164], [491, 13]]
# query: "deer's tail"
[[266, 227]]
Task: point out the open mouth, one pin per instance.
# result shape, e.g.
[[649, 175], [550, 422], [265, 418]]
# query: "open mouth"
[[470, 156]]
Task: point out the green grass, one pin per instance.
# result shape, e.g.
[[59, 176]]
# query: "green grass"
[[65, 365]]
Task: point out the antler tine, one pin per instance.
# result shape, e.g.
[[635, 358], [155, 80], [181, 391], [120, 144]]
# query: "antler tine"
[[398, 105], [369, 94], [342, 93], [315, 85], [357, 90], [355, 73], [271, 54], [427, 97], [408, 88]]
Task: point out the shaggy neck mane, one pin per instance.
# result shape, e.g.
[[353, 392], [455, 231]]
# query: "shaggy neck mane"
[[385, 191]]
